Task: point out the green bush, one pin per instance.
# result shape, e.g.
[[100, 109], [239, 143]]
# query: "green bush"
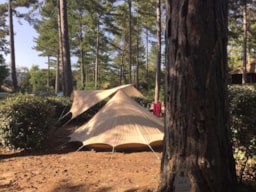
[[242, 100], [24, 122], [61, 105]]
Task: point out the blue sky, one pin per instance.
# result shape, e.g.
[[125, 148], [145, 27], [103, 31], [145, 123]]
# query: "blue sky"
[[25, 55]]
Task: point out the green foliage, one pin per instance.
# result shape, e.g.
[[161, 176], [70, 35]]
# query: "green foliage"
[[24, 122], [61, 105], [243, 125], [4, 71], [38, 80]]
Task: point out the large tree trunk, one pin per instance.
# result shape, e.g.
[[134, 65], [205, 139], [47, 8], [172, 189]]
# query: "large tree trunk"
[[197, 153], [68, 83], [12, 49]]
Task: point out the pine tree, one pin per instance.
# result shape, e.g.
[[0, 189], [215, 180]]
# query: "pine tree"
[[197, 153], [10, 7], [65, 52]]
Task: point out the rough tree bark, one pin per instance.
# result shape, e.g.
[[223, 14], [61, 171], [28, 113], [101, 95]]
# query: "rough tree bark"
[[57, 75], [12, 48], [68, 82], [60, 50], [96, 68], [244, 75], [158, 61], [197, 154], [130, 40]]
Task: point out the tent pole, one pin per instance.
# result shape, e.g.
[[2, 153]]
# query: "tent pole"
[[80, 148], [113, 150], [66, 123], [62, 117], [153, 152]]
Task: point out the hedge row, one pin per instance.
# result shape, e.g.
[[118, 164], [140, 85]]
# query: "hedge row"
[[242, 101], [25, 121]]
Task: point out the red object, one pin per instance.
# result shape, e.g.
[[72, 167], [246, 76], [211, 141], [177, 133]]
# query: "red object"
[[157, 109]]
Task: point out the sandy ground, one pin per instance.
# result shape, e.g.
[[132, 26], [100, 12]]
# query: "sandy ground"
[[65, 169], [79, 171]]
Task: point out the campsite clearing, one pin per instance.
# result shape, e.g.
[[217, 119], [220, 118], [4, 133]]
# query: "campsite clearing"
[[64, 169], [79, 171]]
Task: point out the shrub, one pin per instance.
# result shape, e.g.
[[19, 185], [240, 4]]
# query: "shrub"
[[61, 105], [242, 110], [24, 122]]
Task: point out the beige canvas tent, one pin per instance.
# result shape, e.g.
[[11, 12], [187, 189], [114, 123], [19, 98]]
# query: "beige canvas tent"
[[121, 124], [85, 99]]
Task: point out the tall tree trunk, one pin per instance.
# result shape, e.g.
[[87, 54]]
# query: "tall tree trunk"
[[68, 83], [61, 64], [121, 77], [147, 76], [137, 65], [81, 49], [138, 55], [82, 68], [130, 40], [158, 62], [120, 74], [48, 73], [12, 48], [244, 76], [197, 154], [96, 69], [57, 75]]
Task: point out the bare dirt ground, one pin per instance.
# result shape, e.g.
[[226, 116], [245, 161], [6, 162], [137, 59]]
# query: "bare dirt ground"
[[65, 169], [80, 171]]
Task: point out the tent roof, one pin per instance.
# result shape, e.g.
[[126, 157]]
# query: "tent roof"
[[121, 123], [85, 99]]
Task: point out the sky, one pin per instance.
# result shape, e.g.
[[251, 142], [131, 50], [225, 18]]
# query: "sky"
[[25, 55]]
